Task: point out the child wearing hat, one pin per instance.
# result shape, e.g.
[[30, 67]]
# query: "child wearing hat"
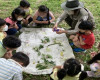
[[84, 39], [43, 16]]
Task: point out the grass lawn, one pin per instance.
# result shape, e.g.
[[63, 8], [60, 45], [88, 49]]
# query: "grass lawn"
[[6, 7]]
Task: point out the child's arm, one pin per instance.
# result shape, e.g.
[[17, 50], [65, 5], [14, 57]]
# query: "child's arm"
[[76, 38], [39, 22], [5, 34], [8, 55], [81, 41], [58, 67], [15, 26], [30, 14], [52, 16]]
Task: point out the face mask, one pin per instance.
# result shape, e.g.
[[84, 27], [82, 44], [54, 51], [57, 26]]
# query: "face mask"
[[5, 28], [81, 32], [26, 10], [19, 19], [70, 12]]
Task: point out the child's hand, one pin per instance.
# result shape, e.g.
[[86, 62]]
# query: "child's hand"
[[55, 27], [71, 37], [45, 22], [60, 31], [15, 26], [8, 55], [75, 39]]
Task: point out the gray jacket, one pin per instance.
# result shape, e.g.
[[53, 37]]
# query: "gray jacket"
[[84, 14]]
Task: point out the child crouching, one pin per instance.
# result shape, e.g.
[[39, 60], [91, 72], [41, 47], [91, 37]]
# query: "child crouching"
[[84, 39], [69, 71]]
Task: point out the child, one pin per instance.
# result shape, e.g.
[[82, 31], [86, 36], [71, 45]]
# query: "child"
[[43, 16], [9, 44], [25, 5], [11, 69], [85, 38], [94, 66], [3, 28], [13, 26], [69, 71]]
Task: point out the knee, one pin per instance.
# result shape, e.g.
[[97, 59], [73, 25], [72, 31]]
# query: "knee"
[[12, 31], [19, 26], [71, 37]]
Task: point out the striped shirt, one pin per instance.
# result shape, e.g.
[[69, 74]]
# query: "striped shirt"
[[10, 70]]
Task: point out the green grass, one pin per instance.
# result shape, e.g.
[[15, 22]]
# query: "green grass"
[[6, 7]]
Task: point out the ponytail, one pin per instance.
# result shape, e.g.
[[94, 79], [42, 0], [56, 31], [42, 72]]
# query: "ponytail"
[[61, 74], [48, 16], [83, 75]]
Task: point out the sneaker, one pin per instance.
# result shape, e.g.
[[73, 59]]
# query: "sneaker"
[[79, 50]]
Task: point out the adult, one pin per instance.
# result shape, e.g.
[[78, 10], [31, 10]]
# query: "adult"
[[74, 13]]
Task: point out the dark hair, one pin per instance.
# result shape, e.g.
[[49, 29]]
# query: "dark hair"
[[83, 75], [21, 57], [24, 3], [43, 8], [61, 74], [17, 11], [94, 59], [11, 42], [71, 68], [2, 22], [86, 25]]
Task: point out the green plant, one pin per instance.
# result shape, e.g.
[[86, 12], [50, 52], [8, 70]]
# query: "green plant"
[[37, 49], [46, 64], [45, 40]]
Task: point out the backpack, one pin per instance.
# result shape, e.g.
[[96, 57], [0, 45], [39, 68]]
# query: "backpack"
[[90, 17]]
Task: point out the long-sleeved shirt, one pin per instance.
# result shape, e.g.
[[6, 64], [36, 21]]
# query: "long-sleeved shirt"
[[10, 70], [83, 15]]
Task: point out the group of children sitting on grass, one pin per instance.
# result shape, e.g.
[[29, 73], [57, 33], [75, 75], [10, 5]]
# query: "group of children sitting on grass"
[[72, 69]]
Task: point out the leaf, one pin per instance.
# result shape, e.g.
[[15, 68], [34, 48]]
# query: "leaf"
[[41, 46], [48, 49], [48, 56], [45, 40], [61, 54], [39, 53], [41, 66]]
